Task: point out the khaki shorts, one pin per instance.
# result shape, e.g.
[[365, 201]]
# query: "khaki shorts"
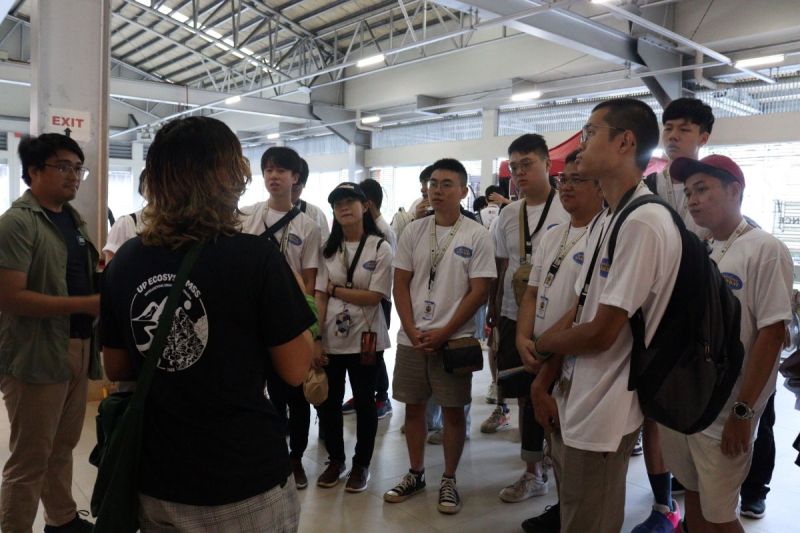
[[420, 375], [699, 464]]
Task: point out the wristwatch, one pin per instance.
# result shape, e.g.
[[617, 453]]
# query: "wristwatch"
[[538, 354], [742, 411]]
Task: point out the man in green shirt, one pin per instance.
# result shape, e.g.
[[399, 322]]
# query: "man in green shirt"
[[47, 355]]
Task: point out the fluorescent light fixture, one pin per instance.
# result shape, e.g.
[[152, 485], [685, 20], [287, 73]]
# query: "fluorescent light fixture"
[[372, 119], [164, 10], [759, 61], [273, 136], [527, 95], [658, 152], [180, 17], [233, 100], [371, 60], [601, 1]]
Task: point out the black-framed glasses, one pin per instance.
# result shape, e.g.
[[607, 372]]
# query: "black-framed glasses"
[[590, 129], [520, 167], [563, 180], [65, 168]]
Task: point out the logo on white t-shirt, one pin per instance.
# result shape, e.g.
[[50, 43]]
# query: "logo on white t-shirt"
[[463, 251], [605, 265], [188, 337], [295, 239], [733, 281], [578, 258], [370, 265]]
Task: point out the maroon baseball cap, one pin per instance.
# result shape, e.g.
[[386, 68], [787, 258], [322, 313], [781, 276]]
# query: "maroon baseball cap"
[[718, 166]]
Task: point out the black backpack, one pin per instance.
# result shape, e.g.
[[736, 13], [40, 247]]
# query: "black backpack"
[[687, 373]]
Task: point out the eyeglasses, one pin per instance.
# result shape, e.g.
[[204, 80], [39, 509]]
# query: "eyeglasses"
[[65, 168], [521, 167], [563, 181], [590, 129], [444, 185]]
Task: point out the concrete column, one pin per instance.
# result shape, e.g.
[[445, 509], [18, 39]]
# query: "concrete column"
[[489, 132], [14, 167], [69, 90], [356, 163], [137, 165]]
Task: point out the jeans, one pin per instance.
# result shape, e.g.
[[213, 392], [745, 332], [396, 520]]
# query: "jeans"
[[281, 395], [763, 463], [362, 381], [433, 416], [382, 382], [480, 323]]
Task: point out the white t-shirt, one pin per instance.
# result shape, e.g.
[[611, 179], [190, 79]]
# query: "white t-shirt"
[[758, 269], [678, 201], [553, 301], [488, 214], [319, 217], [506, 238], [374, 273], [388, 234], [302, 242], [124, 228], [470, 255], [598, 409]]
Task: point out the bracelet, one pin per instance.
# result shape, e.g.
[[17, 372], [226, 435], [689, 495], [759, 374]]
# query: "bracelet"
[[541, 356]]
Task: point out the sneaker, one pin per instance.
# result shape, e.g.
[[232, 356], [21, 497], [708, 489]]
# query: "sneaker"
[[527, 486], [349, 407], [330, 477], [677, 487], [300, 479], [491, 394], [408, 486], [384, 409], [499, 419], [755, 508], [76, 525], [637, 448], [547, 522], [449, 500], [436, 437], [661, 520], [357, 479]]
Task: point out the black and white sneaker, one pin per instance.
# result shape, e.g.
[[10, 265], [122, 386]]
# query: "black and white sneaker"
[[408, 486], [755, 508], [449, 500]]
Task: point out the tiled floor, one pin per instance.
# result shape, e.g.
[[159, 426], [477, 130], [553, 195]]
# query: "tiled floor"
[[489, 463]]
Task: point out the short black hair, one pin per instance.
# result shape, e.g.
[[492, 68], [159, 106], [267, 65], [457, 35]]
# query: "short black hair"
[[530, 143], [373, 191], [571, 157], [636, 116], [691, 109], [453, 165], [425, 175], [34, 151], [303, 172], [283, 157], [493, 189], [479, 203]]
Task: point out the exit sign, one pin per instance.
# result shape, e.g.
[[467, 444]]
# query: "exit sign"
[[70, 122]]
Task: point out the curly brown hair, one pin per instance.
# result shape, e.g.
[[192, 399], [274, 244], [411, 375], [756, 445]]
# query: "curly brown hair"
[[195, 175]]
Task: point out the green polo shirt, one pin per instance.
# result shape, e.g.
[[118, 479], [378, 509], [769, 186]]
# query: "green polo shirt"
[[34, 350]]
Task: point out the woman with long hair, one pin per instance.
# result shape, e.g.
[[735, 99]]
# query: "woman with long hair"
[[355, 275], [213, 451]]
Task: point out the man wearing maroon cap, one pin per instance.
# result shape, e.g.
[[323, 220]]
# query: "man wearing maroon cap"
[[758, 269]]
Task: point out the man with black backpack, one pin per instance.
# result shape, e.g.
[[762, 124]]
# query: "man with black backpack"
[[595, 419], [757, 268]]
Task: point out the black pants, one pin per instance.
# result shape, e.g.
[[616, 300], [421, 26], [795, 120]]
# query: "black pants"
[[299, 419], [531, 434], [382, 382], [362, 381], [755, 485]]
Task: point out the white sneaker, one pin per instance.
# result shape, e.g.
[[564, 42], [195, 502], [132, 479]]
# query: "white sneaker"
[[491, 394], [527, 486], [499, 419], [437, 437]]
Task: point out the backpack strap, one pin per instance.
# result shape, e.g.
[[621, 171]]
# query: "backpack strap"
[[633, 205], [133, 216], [651, 180]]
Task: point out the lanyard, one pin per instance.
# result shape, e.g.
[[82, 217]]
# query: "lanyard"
[[563, 250], [671, 196], [351, 266], [437, 252], [585, 290], [525, 237], [740, 230]]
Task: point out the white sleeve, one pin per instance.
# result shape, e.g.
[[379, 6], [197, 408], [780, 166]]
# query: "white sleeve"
[[382, 276], [404, 258], [311, 249], [772, 286], [482, 264], [122, 230], [499, 235], [325, 230]]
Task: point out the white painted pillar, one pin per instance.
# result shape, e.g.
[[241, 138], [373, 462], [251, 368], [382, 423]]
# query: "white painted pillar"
[[69, 90], [489, 132], [15, 190], [356, 165]]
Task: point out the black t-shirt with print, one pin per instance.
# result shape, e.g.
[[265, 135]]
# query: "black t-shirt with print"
[[80, 326], [211, 437]]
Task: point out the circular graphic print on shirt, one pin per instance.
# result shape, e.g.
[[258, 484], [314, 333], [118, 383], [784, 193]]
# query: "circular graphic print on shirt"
[[188, 336]]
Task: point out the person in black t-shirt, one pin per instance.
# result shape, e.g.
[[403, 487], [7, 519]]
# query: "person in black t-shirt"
[[211, 437]]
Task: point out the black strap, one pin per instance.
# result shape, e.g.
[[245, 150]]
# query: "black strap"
[[585, 290], [529, 236], [164, 326], [303, 205], [651, 180], [352, 268], [133, 216], [270, 231], [635, 204]]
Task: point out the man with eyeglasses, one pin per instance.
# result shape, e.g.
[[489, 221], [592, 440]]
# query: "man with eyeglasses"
[[47, 306], [594, 421], [517, 233]]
